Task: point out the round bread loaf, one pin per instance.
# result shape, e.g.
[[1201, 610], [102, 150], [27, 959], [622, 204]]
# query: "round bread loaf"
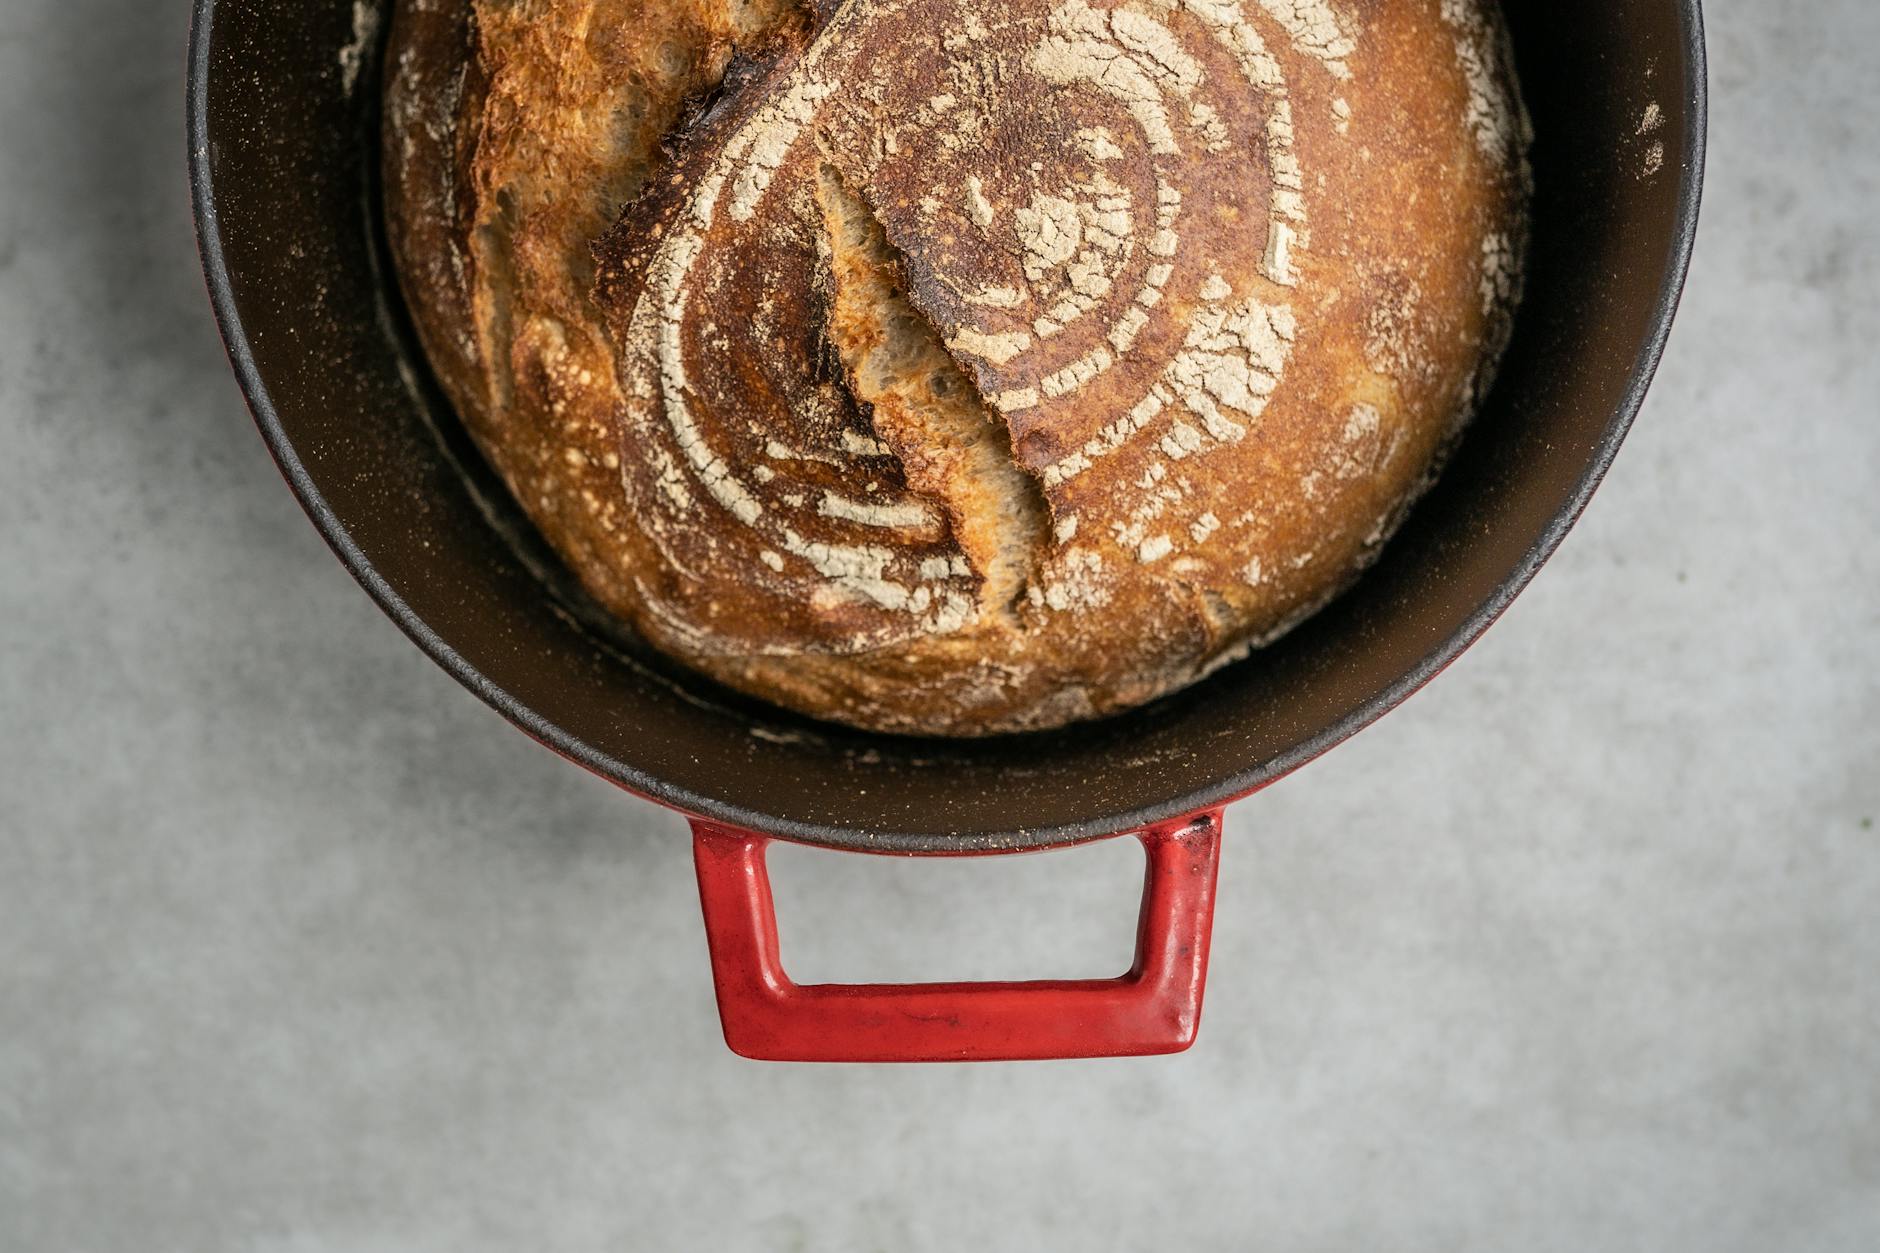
[[959, 366]]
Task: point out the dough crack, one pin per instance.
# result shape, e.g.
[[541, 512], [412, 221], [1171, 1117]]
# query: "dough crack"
[[953, 447]]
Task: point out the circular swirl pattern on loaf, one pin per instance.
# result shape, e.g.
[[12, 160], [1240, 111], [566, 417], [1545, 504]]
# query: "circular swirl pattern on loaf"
[[986, 366]]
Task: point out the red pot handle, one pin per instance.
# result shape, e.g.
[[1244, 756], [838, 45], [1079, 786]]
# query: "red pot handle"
[[1155, 1008]]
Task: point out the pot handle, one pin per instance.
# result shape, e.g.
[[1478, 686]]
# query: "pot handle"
[[1155, 1008]]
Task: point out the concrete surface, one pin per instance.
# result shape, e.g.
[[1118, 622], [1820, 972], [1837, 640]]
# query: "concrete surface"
[[302, 949]]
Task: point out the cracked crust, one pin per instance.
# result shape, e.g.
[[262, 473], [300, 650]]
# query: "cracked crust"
[[952, 366]]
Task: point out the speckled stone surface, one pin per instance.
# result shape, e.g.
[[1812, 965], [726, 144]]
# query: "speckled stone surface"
[[301, 948]]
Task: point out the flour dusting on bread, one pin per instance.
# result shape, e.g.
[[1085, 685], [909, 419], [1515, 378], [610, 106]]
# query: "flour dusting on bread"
[[960, 366]]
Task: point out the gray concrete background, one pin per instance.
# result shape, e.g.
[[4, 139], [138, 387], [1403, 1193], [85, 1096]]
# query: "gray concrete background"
[[302, 949]]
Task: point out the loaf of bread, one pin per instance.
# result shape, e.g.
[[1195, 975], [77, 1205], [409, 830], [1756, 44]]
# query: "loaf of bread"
[[959, 367]]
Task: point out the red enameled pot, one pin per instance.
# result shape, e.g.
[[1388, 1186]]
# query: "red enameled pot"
[[283, 125]]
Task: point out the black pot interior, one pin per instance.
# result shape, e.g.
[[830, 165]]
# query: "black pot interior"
[[284, 121]]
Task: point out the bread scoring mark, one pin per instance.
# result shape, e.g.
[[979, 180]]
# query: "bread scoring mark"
[[777, 450], [953, 450], [1142, 34], [1077, 373], [671, 478], [1075, 244], [669, 285], [1263, 73], [997, 349], [1016, 400], [1088, 252], [1084, 48], [936, 568], [902, 515], [1130, 56], [658, 320], [1142, 325], [1095, 47], [1233, 357], [764, 142]]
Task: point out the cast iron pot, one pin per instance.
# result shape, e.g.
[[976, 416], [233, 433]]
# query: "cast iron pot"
[[283, 126]]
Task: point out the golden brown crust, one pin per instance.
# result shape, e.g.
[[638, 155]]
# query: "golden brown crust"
[[516, 132], [964, 366]]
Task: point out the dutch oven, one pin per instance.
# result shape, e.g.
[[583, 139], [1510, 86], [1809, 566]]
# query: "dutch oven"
[[283, 131]]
